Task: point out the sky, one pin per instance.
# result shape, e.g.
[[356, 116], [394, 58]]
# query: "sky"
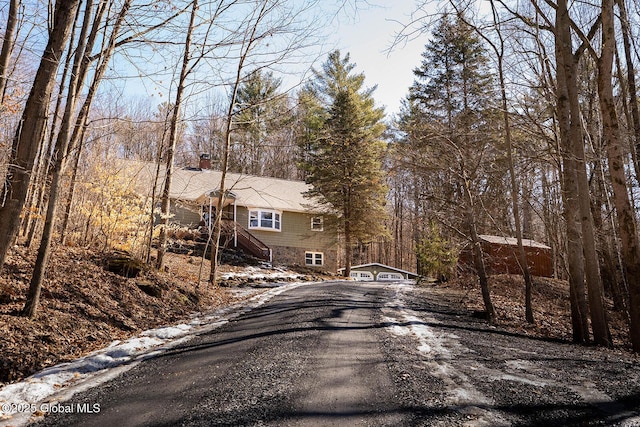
[[368, 36], [366, 33]]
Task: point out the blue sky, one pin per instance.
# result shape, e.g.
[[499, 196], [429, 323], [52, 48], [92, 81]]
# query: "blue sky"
[[366, 33]]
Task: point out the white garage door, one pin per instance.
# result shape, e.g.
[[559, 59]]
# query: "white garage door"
[[362, 275], [388, 276]]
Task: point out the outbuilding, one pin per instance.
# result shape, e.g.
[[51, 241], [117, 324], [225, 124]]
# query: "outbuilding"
[[501, 256], [379, 273]]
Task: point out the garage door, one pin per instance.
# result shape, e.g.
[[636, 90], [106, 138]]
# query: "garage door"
[[362, 275], [388, 276]]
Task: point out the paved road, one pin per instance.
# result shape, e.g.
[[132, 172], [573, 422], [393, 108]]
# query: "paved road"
[[345, 354]]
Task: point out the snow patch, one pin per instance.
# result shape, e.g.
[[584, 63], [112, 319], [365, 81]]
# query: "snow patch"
[[439, 349], [21, 401], [258, 273], [442, 349]]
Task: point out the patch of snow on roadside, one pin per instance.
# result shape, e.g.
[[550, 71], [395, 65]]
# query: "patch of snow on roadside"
[[439, 348], [20, 401], [257, 273], [395, 328], [442, 349], [168, 332]]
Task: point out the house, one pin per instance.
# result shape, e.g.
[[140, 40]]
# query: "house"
[[269, 218], [378, 272], [501, 256]]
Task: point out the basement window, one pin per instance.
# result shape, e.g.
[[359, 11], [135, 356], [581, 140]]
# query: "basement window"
[[263, 219], [313, 258]]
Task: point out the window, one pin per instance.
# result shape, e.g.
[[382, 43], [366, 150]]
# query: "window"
[[390, 276], [265, 219], [313, 258], [316, 223], [362, 275]]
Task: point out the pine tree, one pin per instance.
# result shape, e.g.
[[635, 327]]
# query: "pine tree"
[[343, 160], [259, 113], [450, 127], [453, 83]]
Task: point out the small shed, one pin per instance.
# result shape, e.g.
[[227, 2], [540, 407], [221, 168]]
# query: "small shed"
[[379, 273], [501, 256]]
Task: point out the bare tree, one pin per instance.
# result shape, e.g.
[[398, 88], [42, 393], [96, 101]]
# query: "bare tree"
[[627, 38], [29, 136], [624, 210], [250, 38], [173, 132], [60, 152], [7, 46], [498, 48]]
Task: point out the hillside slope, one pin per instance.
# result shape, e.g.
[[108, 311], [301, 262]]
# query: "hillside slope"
[[85, 307]]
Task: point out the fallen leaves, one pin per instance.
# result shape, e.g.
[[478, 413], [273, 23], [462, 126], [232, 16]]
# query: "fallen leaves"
[[84, 307], [551, 306]]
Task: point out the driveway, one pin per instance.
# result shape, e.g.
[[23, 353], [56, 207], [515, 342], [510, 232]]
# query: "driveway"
[[360, 353]]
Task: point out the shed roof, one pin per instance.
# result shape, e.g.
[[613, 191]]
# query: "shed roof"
[[512, 241], [195, 185]]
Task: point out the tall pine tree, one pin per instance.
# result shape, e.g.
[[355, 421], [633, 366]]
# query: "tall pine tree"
[[343, 160], [259, 114], [450, 123]]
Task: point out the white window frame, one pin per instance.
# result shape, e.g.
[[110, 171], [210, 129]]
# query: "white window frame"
[[386, 276], [314, 257], [362, 275], [317, 226], [259, 219]]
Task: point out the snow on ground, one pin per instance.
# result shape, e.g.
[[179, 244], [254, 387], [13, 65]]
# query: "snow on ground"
[[46, 390], [258, 273], [439, 350]]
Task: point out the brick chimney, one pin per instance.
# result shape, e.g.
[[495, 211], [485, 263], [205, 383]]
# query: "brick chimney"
[[205, 161]]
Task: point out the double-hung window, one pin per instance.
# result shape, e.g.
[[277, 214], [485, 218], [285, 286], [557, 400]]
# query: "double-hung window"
[[313, 258], [264, 219], [316, 223]]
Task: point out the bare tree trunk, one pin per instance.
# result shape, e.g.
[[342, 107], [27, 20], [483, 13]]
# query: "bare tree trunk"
[[522, 256], [613, 278], [348, 242], [624, 210], [574, 139], [38, 197], [173, 137], [631, 81], [571, 193], [575, 251], [29, 135], [248, 42], [72, 182], [7, 47], [478, 256], [60, 152]]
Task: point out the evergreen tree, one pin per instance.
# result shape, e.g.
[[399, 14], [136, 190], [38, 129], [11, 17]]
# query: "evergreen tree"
[[450, 128], [343, 151], [260, 113], [453, 84]]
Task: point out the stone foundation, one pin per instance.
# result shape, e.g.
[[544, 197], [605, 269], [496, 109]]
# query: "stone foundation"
[[284, 255]]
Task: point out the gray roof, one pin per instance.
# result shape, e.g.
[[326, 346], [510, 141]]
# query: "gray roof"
[[195, 185]]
